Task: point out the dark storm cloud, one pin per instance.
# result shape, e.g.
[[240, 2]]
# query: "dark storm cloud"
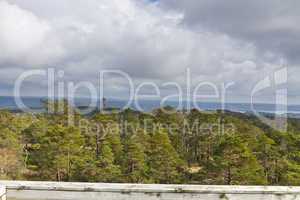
[[272, 25]]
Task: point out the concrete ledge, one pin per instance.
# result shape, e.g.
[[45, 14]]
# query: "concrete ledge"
[[2, 193], [22, 190], [106, 187]]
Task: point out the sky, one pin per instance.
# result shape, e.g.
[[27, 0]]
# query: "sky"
[[220, 42]]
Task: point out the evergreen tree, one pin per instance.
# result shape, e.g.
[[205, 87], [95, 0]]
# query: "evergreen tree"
[[164, 163], [53, 150], [134, 166], [11, 158], [106, 170], [235, 164]]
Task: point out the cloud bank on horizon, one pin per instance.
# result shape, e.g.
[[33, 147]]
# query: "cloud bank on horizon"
[[220, 41]]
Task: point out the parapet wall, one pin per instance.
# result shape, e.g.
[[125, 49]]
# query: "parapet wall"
[[17, 190], [2, 193]]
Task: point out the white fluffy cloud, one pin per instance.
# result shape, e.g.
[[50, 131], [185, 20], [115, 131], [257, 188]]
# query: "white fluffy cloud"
[[141, 38], [25, 40]]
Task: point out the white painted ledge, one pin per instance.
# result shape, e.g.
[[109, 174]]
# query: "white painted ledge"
[[2, 193], [19, 190]]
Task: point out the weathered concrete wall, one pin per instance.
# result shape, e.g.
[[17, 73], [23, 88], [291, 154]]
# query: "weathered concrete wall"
[[2, 193], [100, 191]]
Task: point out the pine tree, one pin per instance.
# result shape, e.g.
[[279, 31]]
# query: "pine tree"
[[114, 141], [134, 166], [235, 164], [11, 158], [106, 170], [53, 150], [164, 163]]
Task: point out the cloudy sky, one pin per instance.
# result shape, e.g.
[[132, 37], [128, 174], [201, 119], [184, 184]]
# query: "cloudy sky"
[[154, 41]]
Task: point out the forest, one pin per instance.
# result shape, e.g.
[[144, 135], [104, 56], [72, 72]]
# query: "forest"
[[165, 147]]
